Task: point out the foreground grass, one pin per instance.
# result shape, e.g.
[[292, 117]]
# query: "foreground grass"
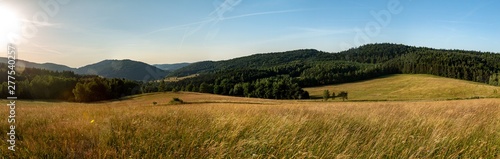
[[411, 87], [223, 127]]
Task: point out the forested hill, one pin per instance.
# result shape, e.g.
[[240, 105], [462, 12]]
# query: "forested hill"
[[253, 61], [128, 69], [371, 53], [171, 67], [314, 68], [384, 58]]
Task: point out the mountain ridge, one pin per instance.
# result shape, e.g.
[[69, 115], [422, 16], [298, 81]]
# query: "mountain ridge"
[[171, 67], [110, 68], [369, 56], [129, 69]]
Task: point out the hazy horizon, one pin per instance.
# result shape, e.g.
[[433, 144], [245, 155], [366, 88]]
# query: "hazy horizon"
[[76, 33]]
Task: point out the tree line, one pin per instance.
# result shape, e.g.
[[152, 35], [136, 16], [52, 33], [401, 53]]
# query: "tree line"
[[42, 84], [250, 83]]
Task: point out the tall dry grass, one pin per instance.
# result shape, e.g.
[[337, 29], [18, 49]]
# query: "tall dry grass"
[[281, 129]]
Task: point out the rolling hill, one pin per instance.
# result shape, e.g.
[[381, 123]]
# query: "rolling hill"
[[410, 87], [171, 67], [249, 76], [45, 66], [127, 69], [261, 60], [387, 57]]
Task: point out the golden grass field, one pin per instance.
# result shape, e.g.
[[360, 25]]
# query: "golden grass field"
[[212, 126]]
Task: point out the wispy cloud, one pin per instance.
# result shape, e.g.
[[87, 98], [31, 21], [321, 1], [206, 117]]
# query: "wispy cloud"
[[40, 24], [202, 23], [458, 22], [46, 49], [264, 13], [216, 17], [305, 32], [183, 26], [223, 8]]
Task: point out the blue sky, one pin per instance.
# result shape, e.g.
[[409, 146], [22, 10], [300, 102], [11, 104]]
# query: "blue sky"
[[81, 32]]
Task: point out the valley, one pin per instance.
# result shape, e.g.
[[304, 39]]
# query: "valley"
[[290, 79], [216, 126]]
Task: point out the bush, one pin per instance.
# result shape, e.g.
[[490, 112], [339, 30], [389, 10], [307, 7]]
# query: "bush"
[[326, 95], [175, 90], [176, 101]]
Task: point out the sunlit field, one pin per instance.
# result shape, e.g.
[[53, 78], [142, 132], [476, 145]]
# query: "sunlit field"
[[404, 87], [210, 126]]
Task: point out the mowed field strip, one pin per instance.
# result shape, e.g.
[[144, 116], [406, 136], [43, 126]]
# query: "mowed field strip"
[[213, 126]]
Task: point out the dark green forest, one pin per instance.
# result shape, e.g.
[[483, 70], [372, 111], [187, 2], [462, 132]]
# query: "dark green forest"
[[270, 75], [307, 68]]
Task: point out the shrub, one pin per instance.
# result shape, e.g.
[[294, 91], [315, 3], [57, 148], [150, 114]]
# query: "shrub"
[[175, 90], [176, 101], [326, 95]]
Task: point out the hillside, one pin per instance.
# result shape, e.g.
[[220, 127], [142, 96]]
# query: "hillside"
[[410, 87], [127, 69], [45, 66], [282, 75], [380, 59], [248, 76], [371, 53], [171, 67], [262, 60]]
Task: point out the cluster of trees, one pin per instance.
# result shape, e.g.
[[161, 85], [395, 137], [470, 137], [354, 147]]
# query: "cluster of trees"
[[96, 89], [42, 84], [466, 65], [494, 79], [327, 95], [33, 83], [281, 87], [324, 73], [244, 85]]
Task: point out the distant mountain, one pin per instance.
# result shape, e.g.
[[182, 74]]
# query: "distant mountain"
[[46, 66], [128, 69], [171, 67]]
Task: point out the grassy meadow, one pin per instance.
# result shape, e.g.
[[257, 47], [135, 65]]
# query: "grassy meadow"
[[406, 87], [211, 126], [417, 121]]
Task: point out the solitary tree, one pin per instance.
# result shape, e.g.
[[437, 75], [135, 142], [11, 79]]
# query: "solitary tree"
[[326, 95]]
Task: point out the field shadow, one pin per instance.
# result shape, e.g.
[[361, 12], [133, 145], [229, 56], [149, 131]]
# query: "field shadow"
[[217, 102]]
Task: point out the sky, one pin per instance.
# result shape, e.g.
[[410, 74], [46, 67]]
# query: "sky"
[[80, 32]]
